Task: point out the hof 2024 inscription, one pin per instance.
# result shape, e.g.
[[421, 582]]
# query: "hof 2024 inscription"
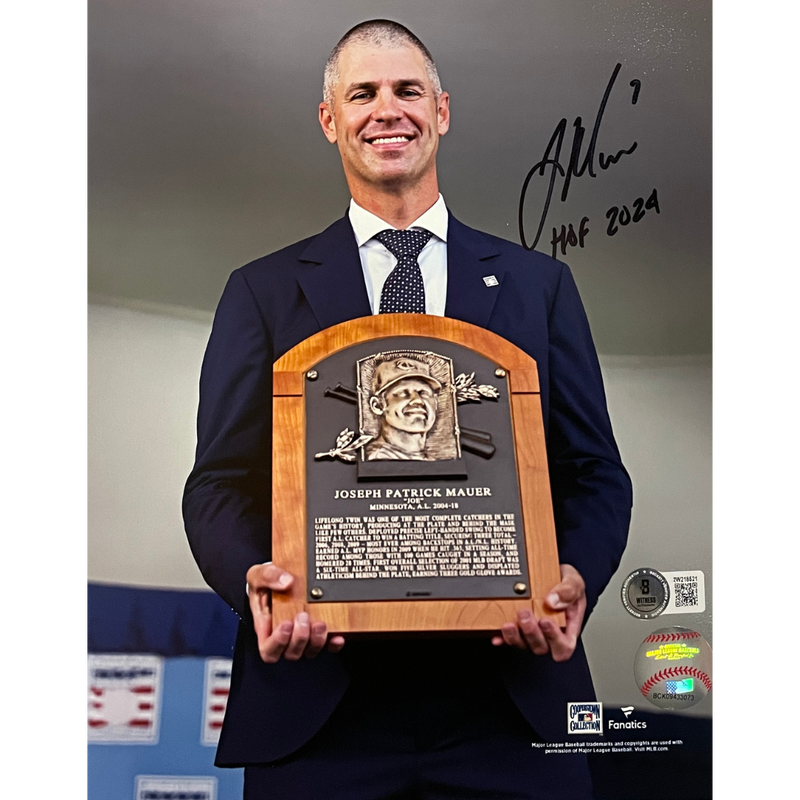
[[410, 490]]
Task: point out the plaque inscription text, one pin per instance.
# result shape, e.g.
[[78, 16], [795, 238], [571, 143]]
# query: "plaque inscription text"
[[416, 546]]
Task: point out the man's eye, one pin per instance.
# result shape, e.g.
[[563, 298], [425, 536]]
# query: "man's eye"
[[408, 93], [361, 96]]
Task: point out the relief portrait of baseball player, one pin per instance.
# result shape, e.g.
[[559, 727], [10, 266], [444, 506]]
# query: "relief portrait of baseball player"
[[404, 397]]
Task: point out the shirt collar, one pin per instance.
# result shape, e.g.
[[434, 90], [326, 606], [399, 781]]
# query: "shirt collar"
[[366, 224]]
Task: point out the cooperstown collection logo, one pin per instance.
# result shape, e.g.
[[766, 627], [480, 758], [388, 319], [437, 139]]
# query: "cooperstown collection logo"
[[584, 718]]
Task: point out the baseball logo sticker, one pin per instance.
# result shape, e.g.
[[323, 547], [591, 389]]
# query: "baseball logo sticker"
[[124, 698], [585, 718], [645, 593], [673, 668], [216, 690]]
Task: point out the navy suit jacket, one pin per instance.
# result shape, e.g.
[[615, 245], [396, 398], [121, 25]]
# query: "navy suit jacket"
[[275, 302]]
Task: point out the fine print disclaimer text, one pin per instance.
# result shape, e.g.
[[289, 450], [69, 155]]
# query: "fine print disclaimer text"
[[593, 748]]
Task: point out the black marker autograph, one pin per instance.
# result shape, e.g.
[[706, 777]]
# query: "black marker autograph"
[[573, 170]]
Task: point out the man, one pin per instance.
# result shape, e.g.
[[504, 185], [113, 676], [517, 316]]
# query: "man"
[[414, 718], [404, 397]]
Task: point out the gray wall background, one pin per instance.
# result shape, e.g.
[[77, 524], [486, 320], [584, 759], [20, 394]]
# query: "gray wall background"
[[205, 153]]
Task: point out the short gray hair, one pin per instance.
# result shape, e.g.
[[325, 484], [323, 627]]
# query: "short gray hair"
[[379, 33]]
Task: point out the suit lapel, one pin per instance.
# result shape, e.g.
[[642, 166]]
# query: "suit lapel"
[[334, 285], [471, 257]]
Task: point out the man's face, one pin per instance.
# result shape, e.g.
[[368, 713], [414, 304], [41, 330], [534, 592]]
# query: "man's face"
[[410, 405], [386, 120]]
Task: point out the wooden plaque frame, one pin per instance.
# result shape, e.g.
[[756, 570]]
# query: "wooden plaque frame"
[[289, 528]]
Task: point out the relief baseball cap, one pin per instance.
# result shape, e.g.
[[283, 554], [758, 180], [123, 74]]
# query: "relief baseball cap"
[[388, 373]]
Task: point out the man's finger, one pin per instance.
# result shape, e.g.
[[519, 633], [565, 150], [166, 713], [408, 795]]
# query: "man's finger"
[[564, 594], [316, 641], [335, 644], [262, 615], [273, 647], [561, 645], [261, 577], [262, 580], [570, 589], [511, 636], [300, 636], [574, 615], [531, 632]]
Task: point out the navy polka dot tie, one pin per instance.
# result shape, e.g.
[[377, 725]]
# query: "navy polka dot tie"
[[404, 291]]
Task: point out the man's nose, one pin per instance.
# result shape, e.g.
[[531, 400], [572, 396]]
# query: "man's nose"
[[387, 107]]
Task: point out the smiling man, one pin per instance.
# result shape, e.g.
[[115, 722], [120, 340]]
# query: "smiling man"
[[425, 718], [385, 110]]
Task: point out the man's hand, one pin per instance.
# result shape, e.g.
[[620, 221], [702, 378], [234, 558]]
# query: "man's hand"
[[292, 640], [544, 636]]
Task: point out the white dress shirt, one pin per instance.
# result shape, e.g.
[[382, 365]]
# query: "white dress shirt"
[[377, 262]]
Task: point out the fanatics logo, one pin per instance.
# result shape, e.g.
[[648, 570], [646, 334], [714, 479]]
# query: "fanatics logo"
[[614, 725]]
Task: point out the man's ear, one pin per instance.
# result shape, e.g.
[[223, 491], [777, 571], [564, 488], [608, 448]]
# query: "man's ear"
[[327, 122], [443, 113], [376, 405]]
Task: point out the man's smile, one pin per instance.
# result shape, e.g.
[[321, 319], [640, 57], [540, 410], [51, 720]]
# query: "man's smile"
[[394, 139]]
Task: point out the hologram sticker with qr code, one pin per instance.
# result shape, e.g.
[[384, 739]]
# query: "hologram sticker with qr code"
[[687, 592]]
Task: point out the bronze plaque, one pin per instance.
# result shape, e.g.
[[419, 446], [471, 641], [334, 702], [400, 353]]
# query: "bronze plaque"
[[409, 484], [411, 478]]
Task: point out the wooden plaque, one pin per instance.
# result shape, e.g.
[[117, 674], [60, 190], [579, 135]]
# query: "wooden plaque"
[[385, 538]]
